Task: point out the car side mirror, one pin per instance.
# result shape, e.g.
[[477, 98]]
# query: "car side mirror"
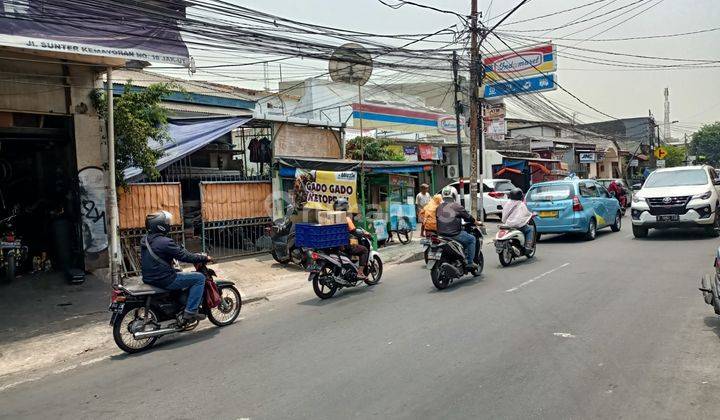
[[716, 181], [637, 186]]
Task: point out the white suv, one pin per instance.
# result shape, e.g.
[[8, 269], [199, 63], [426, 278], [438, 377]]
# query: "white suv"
[[685, 196]]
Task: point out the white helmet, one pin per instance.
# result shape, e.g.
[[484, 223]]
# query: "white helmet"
[[449, 193]]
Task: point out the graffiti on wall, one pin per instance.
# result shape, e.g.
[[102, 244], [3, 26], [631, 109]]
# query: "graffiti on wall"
[[92, 209]]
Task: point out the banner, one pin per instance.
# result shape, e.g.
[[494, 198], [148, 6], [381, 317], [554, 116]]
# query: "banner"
[[320, 189], [532, 61], [108, 28], [410, 153]]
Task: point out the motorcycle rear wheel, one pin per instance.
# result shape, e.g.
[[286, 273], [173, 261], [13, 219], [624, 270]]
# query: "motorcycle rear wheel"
[[121, 330], [438, 280], [323, 291], [275, 256], [506, 257], [480, 261], [229, 308], [375, 271]]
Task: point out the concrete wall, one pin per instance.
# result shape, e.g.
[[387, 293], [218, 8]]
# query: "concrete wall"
[[292, 140], [41, 85]]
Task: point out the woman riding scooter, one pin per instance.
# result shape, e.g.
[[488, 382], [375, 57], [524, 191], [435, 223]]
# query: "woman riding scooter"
[[515, 214]]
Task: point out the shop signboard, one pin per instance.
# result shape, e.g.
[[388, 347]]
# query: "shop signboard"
[[587, 157], [532, 61], [494, 110], [320, 189], [533, 84], [430, 152], [446, 124], [660, 163], [128, 31], [634, 163], [495, 126], [411, 153]]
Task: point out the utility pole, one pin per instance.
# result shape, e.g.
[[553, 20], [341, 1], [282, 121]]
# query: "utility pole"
[[458, 127], [475, 138], [687, 153]]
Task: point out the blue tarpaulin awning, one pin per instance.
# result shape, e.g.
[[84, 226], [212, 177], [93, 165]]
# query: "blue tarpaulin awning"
[[187, 137]]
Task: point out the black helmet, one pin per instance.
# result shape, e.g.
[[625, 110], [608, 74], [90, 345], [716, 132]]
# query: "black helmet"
[[516, 194], [158, 222], [341, 204]]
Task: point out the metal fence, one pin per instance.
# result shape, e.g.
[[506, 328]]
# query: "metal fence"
[[232, 238], [130, 244]]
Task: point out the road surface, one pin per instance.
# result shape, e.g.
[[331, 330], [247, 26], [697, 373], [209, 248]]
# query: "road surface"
[[605, 329]]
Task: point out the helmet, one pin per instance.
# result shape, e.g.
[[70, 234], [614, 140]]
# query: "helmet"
[[516, 194], [341, 204], [158, 222], [449, 193]]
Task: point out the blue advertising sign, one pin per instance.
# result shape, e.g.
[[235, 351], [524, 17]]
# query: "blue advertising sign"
[[533, 84]]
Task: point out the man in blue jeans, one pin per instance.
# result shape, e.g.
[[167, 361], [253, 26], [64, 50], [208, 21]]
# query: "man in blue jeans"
[[450, 215], [157, 252]]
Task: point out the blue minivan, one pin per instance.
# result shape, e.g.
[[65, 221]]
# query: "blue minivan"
[[573, 205]]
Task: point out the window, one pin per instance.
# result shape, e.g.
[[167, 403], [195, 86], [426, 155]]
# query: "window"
[[603, 192], [550, 192], [677, 178], [504, 186], [588, 189]]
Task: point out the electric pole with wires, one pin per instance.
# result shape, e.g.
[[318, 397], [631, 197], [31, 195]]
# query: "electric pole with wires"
[[475, 112]]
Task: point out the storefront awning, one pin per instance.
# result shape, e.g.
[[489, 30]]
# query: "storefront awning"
[[187, 137], [289, 164]]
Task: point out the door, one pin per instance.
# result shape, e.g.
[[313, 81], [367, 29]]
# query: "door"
[[612, 205], [589, 200], [599, 204]]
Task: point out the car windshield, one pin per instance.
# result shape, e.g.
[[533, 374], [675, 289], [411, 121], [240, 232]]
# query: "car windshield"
[[677, 178], [550, 192], [504, 186]]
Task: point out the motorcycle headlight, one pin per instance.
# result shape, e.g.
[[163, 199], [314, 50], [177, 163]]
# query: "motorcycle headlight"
[[703, 196]]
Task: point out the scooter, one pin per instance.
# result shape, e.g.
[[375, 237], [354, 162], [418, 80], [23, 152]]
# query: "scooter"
[[510, 244], [446, 258], [710, 285], [282, 233], [331, 270]]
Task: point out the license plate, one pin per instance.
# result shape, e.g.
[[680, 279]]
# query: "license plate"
[[116, 306], [434, 255], [553, 213], [668, 218]]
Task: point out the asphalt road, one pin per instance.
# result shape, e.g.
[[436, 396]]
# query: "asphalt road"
[[614, 328]]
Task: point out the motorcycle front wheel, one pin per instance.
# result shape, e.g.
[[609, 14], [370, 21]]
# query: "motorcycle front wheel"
[[322, 290], [132, 319], [229, 308], [275, 256]]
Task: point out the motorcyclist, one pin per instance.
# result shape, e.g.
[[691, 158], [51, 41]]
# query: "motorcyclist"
[[450, 215], [158, 270], [616, 188], [515, 214], [342, 204]]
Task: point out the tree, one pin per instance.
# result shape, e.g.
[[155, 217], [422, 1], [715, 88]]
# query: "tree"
[[375, 149], [706, 143], [675, 156], [138, 117]]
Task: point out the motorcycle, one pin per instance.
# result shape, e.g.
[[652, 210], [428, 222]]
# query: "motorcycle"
[[510, 244], [446, 258], [12, 251], [710, 285], [282, 233], [332, 270], [142, 313]]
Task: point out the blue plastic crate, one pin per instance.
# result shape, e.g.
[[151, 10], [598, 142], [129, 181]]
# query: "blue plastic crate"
[[308, 235]]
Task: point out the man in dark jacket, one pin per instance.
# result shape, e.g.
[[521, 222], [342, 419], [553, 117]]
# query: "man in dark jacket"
[[158, 270], [450, 215]]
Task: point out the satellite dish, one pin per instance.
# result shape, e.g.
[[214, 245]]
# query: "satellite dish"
[[350, 63]]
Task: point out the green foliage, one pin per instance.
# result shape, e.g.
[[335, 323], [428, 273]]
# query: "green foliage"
[[675, 156], [375, 149], [706, 143], [138, 117]]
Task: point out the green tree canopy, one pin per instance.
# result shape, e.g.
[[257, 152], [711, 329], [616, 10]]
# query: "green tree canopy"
[[375, 149], [138, 117], [675, 156], [706, 143]]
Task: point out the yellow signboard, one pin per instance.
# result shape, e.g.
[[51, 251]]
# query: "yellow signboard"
[[320, 189], [660, 152]]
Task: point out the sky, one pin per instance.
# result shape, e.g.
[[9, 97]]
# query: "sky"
[[694, 93]]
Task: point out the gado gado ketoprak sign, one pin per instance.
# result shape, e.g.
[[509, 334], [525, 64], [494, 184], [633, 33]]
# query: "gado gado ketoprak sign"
[[133, 30], [320, 189]]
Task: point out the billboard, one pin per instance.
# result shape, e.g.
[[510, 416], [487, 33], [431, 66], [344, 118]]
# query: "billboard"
[[145, 31], [540, 59], [520, 86]]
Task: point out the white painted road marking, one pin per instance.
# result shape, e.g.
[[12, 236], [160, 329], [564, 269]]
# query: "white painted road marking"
[[536, 278], [564, 335]]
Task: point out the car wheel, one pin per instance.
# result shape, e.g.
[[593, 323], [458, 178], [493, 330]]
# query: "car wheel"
[[592, 230], [640, 232], [714, 230], [615, 227]]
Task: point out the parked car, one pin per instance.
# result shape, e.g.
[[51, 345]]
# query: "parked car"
[[573, 206], [683, 196], [494, 195], [605, 182]]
